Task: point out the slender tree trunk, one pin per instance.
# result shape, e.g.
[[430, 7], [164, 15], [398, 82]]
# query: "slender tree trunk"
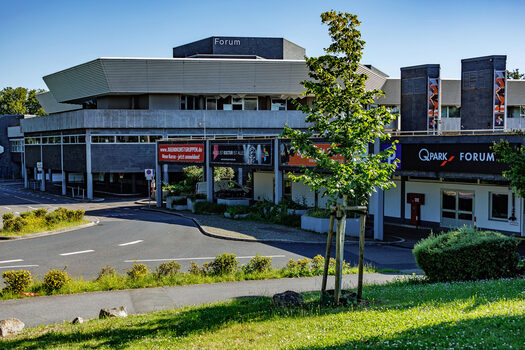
[[361, 257], [341, 227], [328, 248]]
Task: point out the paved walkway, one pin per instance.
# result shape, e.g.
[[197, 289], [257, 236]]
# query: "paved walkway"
[[54, 309]]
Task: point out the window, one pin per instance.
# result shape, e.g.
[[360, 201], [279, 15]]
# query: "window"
[[278, 104], [250, 103], [32, 140], [17, 146], [127, 139], [450, 112], [189, 102], [516, 112], [74, 139], [54, 140], [237, 104], [102, 139], [149, 138], [211, 104], [499, 206]]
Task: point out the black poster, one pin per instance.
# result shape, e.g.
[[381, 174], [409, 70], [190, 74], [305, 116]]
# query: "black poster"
[[451, 157], [246, 153]]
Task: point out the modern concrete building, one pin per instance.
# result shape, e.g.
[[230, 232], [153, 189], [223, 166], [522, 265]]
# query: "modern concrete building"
[[106, 115]]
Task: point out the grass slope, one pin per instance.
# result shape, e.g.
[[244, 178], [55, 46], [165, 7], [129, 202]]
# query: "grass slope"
[[475, 315]]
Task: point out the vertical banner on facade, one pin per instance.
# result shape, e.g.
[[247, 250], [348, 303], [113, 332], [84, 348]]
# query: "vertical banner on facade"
[[499, 98], [433, 103]]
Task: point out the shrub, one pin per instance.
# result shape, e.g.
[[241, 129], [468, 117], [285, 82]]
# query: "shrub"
[[40, 213], [18, 224], [467, 254], [317, 264], [194, 269], [170, 268], [138, 271], [106, 271], [223, 264], [258, 264], [237, 209], [26, 215], [8, 216], [209, 208], [55, 279], [17, 281]]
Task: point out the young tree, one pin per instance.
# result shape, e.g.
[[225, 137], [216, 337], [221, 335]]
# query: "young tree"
[[515, 74], [515, 158], [20, 101], [340, 115]]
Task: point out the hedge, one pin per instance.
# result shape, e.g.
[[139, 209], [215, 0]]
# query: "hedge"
[[467, 254]]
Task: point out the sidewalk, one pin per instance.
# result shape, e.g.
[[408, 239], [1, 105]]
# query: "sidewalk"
[[246, 230], [54, 309]]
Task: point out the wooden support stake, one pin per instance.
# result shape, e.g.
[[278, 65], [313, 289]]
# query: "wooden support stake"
[[340, 246], [328, 248], [361, 257]]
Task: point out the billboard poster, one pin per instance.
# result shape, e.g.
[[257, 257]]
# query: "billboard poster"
[[499, 99], [184, 153], [245, 153], [433, 103], [290, 157]]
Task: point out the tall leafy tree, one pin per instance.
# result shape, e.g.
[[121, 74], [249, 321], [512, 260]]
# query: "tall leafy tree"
[[340, 115], [515, 74], [515, 159], [20, 101]]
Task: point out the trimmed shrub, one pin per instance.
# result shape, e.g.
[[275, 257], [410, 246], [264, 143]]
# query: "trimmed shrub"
[[170, 268], [106, 271], [40, 213], [223, 264], [258, 264], [26, 215], [17, 281], [467, 254], [209, 208], [194, 269], [138, 271], [8, 216], [18, 224], [55, 279]]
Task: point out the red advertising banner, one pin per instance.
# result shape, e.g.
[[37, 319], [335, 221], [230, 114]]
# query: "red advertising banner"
[[193, 153], [433, 103], [499, 99], [291, 158]]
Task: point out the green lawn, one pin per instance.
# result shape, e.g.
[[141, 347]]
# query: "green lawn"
[[475, 315]]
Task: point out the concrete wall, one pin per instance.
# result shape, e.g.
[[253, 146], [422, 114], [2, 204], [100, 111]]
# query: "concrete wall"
[[166, 101], [122, 158], [114, 102], [263, 185], [8, 168]]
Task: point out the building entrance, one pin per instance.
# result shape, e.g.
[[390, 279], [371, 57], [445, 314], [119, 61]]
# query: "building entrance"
[[457, 208]]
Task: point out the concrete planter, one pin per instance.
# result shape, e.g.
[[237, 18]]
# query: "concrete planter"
[[191, 203], [171, 199], [233, 201], [180, 207], [297, 211], [321, 225]]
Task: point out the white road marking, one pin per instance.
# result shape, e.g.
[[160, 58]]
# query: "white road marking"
[[7, 208], [29, 200], [130, 243], [79, 252], [200, 258], [16, 266], [8, 261]]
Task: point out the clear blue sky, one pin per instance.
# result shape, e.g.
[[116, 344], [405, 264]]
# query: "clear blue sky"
[[41, 37]]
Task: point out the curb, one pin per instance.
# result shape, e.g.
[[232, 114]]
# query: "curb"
[[206, 233], [49, 233]]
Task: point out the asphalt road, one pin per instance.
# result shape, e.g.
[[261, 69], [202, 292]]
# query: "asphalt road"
[[127, 234]]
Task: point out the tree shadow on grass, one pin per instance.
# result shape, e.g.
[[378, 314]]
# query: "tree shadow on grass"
[[496, 332]]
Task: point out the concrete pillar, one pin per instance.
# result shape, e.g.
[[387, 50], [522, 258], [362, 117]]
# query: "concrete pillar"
[[89, 174], [278, 175], [158, 180], [64, 183], [64, 175], [209, 173], [26, 179], [165, 174], [43, 175], [50, 173], [379, 202], [239, 176]]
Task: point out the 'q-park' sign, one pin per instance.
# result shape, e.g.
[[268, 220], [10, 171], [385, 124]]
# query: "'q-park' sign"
[[185, 153]]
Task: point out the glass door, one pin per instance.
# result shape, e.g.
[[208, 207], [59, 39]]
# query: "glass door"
[[457, 208]]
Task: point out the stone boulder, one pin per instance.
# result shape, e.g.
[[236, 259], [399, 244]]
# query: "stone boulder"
[[10, 326], [77, 320], [113, 312], [288, 298]]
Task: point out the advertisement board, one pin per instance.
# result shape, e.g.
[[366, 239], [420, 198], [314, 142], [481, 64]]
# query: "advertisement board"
[[433, 103], [184, 153], [451, 157], [290, 157], [499, 99], [255, 153]]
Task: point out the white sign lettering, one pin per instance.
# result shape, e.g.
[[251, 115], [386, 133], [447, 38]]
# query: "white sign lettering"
[[228, 42]]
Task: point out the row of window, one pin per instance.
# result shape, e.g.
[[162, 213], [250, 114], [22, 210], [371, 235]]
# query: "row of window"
[[72, 139], [55, 140], [230, 103]]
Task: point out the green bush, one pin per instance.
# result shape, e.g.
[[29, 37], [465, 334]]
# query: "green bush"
[[138, 271], [18, 224], [26, 215], [17, 281], [467, 254], [209, 208], [237, 210], [40, 213], [258, 264], [106, 271], [170, 268], [8, 216], [54, 280], [223, 264], [194, 269]]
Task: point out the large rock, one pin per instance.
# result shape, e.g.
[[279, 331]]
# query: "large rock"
[[113, 312], [11, 326], [288, 298]]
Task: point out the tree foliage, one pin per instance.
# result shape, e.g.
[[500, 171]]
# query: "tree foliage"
[[515, 74], [20, 101], [515, 158], [340, 115]]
